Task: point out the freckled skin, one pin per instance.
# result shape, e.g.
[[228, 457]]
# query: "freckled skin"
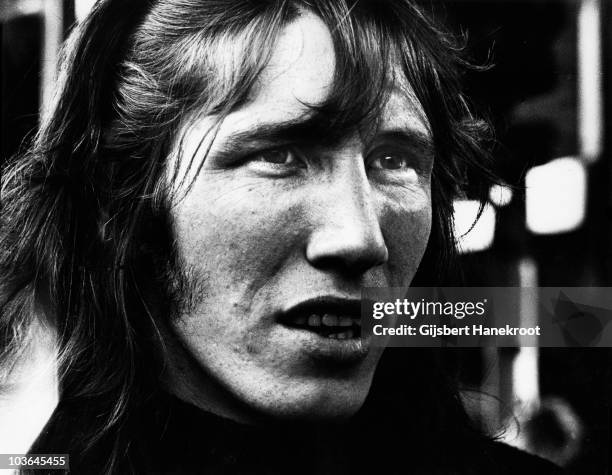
[[261, 243]]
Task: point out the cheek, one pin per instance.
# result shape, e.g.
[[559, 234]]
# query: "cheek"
[[406, 227], [237, 235], [231, 240]]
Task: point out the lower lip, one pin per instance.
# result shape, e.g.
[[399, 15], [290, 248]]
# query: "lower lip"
[[319, 347]]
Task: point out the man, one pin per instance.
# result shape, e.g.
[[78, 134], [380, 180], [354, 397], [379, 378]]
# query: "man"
[[197, 217]]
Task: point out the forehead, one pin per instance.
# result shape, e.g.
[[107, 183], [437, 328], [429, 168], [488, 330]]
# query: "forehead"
[[301, 74]]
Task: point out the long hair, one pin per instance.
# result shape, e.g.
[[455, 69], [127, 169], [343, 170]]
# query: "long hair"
[[84, 221]]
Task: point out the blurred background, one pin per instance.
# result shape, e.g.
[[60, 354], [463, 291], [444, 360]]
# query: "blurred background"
[[548, 91]]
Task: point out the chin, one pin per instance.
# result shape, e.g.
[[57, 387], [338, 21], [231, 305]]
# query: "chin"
[[327, 403]]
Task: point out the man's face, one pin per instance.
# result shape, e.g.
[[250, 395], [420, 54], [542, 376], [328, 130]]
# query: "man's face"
[[278, 237]]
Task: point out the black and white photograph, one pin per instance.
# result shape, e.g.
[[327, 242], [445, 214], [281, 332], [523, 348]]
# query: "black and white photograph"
[[306, 237]]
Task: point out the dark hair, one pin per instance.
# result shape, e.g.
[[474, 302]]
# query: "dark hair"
[[84, 226]]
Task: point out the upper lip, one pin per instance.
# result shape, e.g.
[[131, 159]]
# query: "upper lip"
[[321, 305]]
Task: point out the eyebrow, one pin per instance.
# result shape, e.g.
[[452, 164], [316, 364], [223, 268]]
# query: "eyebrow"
[[313, 130], [304, 129]]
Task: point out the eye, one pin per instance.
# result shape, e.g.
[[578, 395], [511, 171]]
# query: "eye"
[[278, 156], [276, 162], [392, 166], [390, 162]]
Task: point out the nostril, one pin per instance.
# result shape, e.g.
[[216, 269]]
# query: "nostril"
[[344, 251]]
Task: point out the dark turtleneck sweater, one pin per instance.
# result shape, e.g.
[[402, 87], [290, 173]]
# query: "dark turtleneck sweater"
[[175, 437]]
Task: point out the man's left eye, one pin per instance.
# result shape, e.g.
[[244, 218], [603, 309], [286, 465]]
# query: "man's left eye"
[[390, 162]]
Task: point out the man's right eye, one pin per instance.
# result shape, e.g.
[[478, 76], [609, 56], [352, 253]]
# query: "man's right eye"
[[278, 157]]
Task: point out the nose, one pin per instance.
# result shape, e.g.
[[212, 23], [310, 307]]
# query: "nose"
[[346, 236]]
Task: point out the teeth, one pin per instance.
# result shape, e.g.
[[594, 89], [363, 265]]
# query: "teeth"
[[342, 336], [340, 327], [330, 320], [314, 320], [344, 321]]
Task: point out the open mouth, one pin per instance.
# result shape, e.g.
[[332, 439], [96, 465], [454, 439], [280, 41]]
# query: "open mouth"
[[333, 318], [329, 325]]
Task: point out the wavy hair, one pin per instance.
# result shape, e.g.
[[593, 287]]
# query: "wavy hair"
[[84, 221]]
